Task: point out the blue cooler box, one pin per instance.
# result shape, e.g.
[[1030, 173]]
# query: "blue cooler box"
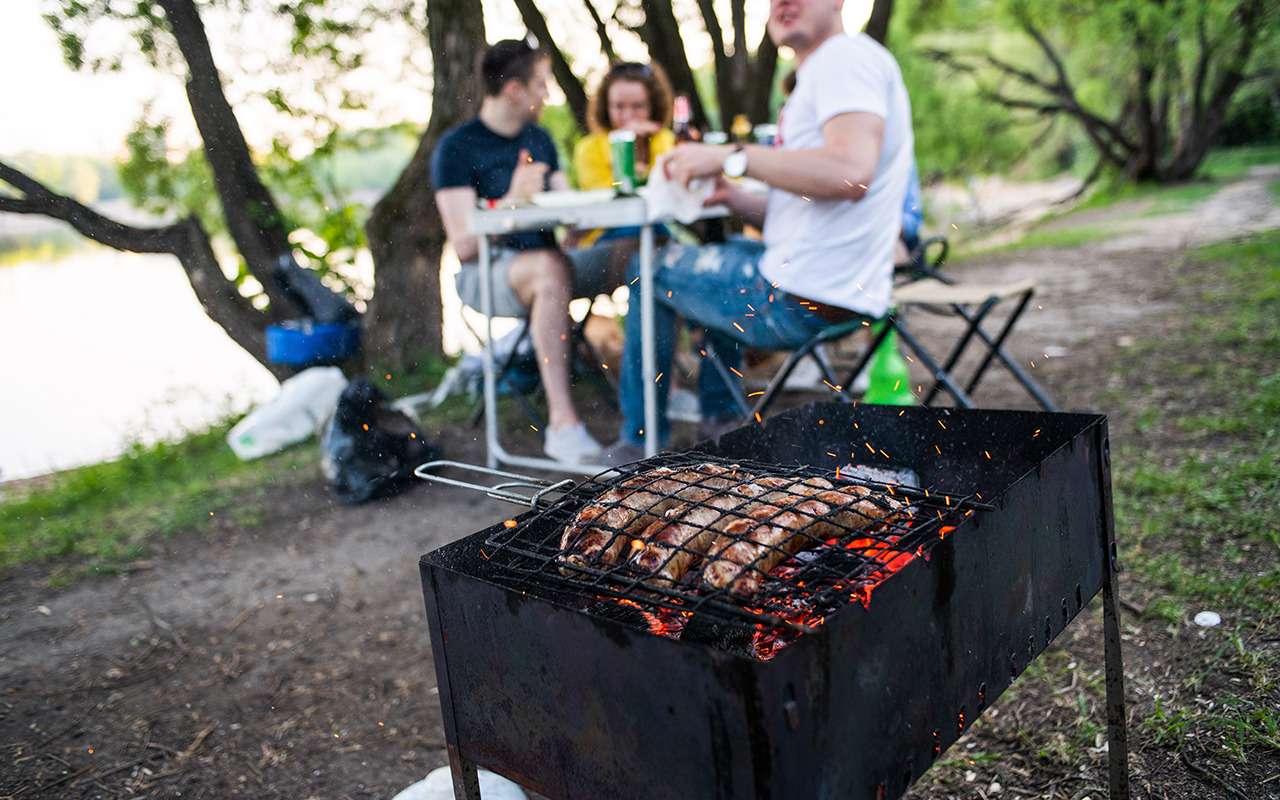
[[305, 343]]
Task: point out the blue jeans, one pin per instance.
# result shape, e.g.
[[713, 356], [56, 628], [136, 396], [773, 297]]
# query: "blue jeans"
[[718, 287]]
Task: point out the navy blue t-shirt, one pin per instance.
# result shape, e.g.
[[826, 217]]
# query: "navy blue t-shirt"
[[472, 155]]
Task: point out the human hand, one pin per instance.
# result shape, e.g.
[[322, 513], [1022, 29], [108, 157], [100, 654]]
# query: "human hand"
[[725, 192], [529, 178], [642, 127], [689, 161]]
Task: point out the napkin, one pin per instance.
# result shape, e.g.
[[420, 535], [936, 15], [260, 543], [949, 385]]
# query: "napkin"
[[667, 199]]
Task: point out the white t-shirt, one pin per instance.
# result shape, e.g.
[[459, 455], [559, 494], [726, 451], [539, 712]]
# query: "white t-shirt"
[[840, 252]]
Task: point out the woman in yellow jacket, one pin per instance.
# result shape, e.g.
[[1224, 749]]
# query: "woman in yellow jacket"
[[634, 97]]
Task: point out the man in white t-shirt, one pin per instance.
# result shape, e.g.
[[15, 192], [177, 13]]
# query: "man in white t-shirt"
[[837, 176]]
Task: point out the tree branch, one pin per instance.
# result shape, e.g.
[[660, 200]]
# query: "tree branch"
[[606, 44], [186, 239], [764, 65], [253, 218], [574, 94]]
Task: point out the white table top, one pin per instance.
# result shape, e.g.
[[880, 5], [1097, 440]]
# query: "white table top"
[[615, 213]]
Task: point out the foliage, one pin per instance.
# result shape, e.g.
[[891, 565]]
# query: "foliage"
[[85, 178], [103, 514], [1148, 83], [316, 192], [956, 133]]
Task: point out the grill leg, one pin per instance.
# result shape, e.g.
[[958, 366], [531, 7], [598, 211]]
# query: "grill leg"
[[466, 781], [1117, 732]]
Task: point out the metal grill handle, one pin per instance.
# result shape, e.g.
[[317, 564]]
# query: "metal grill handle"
[[501, 491]]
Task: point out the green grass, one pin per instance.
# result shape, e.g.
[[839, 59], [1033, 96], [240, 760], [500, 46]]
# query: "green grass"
[[103, 515], [1231, 163], [1198, 517], [1162, 199], [1274, 189]]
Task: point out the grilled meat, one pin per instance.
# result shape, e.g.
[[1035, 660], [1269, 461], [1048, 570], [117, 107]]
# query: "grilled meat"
[[600, 531], [784, 522], [673, 544]]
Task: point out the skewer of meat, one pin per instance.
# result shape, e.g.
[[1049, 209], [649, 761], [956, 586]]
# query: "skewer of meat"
[[600, 531], [768, 534]]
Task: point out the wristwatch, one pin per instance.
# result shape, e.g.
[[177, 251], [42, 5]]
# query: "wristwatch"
[[735, 164]]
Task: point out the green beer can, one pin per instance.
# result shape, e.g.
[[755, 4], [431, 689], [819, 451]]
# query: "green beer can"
[[622, 155]]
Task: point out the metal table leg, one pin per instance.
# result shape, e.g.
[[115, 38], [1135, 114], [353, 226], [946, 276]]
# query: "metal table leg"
[[492, 447], [646, 335]]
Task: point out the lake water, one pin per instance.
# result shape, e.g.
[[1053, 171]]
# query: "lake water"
[[100, 349]]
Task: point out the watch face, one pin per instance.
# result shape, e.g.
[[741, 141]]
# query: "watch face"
[[735, 166]]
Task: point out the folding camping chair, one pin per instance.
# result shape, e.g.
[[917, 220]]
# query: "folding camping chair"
[[919, 283], [583, 357]]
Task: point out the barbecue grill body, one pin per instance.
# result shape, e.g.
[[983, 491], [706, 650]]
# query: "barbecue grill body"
[[574, 705]]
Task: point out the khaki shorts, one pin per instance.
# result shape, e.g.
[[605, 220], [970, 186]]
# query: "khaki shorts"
[[590, 277]]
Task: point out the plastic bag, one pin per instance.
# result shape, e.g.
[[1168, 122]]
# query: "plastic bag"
[[304, 402], [369, 449], [438, 785], [308, 293]]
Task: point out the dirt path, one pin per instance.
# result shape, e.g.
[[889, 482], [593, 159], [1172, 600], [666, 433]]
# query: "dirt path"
[[291, 660]]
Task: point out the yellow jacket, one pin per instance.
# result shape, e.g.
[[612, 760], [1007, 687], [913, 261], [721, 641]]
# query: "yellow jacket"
[[595, 168]]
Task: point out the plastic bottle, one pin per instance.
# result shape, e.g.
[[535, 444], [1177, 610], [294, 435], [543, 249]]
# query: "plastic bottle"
[[889, 374]]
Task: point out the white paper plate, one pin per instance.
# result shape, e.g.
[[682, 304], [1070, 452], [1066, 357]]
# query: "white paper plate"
[[572, 198]]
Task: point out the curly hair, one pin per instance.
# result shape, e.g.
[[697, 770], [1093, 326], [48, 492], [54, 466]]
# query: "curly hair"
[[655, 84]]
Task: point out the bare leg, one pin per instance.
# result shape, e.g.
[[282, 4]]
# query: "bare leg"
[[541, 280]]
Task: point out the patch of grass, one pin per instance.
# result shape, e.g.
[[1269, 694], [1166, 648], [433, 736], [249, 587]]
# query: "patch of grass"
[[1198, 519], [1041, 238], [1164, 199], [105, 513], [1231, 163], [1274, 189]]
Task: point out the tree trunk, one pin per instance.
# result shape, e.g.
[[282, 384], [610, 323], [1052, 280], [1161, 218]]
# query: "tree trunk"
[[253, 218], [574, 94], [878, 24], [661, 34], [406, 235]]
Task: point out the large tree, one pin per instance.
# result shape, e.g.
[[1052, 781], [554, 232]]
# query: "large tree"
[[1161, 74], [406, 234], [405, 322]]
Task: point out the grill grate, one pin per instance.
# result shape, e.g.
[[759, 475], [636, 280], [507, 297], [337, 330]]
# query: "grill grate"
[[825, 548]]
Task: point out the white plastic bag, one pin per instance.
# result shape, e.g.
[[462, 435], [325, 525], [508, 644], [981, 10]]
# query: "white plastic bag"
[[438, 785], [304, 402]]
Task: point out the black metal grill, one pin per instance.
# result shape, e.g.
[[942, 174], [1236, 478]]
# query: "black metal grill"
[[827, 559], [549, 673]]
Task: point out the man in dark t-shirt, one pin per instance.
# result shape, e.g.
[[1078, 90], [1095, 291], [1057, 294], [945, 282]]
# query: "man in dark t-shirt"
[[503, 156]]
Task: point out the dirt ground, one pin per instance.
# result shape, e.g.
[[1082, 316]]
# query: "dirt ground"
[[291, 660]]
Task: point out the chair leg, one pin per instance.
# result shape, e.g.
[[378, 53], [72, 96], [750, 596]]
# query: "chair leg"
[[780, 378], [996, 351], [725, 375], [956, 352], [939, 375]]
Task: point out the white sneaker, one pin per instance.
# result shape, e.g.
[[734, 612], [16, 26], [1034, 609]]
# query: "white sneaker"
[[572, 445]]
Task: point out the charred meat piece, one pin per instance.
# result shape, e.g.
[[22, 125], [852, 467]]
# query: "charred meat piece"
[[675, 543], [600, 531], [782, 523]]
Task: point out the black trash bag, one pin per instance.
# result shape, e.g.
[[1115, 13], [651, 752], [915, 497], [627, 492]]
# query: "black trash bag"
[[307, 292], [369, 450]]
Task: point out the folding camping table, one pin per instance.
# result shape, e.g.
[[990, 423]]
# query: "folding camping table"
[[616, 213]]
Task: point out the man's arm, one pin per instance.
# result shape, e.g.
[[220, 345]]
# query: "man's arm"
[[841, 169], [558, 181], [456, 205]]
